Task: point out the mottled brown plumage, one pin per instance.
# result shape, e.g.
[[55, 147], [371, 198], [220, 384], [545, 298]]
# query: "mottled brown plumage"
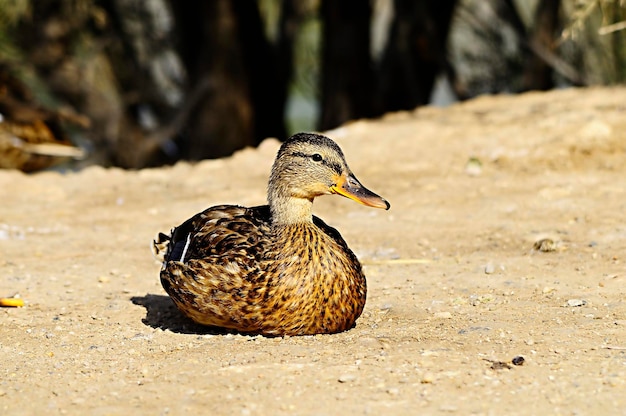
[[274, 269]]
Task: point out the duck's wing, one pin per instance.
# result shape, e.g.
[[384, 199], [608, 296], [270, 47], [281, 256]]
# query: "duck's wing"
[[218, 231], [213, 267]]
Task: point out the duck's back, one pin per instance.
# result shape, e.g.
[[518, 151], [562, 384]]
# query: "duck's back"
[[218, 231], [228, 267]]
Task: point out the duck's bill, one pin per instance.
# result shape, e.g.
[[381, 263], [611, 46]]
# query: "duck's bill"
[[350, 187]]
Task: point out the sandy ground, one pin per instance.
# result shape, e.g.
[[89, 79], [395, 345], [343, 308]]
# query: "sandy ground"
[[456, 290]]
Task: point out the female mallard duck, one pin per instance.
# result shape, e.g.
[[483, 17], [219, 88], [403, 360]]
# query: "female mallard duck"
[[274, 269]]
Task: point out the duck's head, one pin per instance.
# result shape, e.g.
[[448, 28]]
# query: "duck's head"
[[310, 165]]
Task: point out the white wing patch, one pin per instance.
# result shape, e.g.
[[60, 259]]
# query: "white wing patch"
[[182, 256]]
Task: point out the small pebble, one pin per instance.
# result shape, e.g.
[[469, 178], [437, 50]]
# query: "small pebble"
[[427, 378], [499, 365], [576, 302], [443, 315], [546, 245], [519, 360], [346, 378], [473, 167], [393, 391], [490, 268]]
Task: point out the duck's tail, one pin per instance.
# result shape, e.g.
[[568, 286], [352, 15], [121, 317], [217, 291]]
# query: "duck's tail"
[[161, 246]]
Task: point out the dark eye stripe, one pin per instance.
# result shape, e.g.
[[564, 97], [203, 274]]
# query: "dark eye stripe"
[[334, 166]]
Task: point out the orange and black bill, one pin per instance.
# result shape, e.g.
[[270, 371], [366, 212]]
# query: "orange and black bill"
[[350, 187]]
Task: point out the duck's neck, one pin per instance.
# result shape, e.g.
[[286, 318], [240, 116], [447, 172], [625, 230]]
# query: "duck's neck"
[[291, 210]]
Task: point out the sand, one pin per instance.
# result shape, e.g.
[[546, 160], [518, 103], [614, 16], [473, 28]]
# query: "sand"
[[506, 238]]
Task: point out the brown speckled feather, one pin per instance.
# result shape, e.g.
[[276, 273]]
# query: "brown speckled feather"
[[239, 273]]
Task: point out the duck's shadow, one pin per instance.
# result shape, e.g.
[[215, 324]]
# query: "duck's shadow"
[[162, 313]]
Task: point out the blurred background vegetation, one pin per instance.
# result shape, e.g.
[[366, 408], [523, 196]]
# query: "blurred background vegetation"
[[136, 83]]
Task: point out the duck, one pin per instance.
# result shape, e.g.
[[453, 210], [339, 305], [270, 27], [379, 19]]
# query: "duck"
[[274, 269]]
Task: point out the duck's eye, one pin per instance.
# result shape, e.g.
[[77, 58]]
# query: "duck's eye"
[[317, 157]]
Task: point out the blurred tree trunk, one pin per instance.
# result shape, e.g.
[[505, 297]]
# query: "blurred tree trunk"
[[224, 119], [148, 74], [113, 62], [162, 80], [538, 74], [223, 40], [617, 13], [292, 15], [487, 48], [416, 52], [348, 83], [352, 87], [496, 51], [159, 80]]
